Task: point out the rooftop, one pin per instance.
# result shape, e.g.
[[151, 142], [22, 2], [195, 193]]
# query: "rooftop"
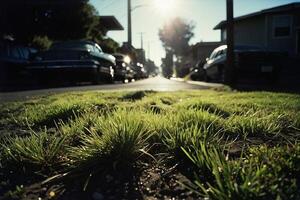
[[110, 23], [282, 8]]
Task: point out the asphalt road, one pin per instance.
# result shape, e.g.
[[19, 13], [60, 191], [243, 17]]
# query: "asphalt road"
[[156, 83]]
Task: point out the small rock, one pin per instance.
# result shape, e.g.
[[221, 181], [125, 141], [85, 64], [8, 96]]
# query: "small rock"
[[98, 196]]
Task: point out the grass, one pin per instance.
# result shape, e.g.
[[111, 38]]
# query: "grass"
[[230, 145]]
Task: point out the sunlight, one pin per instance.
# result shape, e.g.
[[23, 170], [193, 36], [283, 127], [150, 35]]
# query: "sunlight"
[[165, 6]]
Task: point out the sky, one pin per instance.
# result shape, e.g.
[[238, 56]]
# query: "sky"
[[153, 14]]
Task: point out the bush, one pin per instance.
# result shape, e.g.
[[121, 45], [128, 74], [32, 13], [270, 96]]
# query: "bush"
[[41, 42]]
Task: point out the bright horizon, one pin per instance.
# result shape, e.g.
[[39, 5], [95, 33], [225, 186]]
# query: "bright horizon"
[[151, 17]]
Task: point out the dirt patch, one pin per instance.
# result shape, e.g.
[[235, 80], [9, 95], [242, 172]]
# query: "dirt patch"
[[152, 182]]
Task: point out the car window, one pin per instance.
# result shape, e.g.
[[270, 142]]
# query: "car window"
[[14, 52], [98, 48], [213, 54], [25, 52], [218, 53], [90, 47]]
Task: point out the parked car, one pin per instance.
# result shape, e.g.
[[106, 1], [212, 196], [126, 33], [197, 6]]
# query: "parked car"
[[197, 73], [251, 62], [74, 61], [123, 69], [139, 71], [13, 60]]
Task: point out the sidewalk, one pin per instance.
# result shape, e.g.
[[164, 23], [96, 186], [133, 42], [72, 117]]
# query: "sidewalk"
[[198, 82]]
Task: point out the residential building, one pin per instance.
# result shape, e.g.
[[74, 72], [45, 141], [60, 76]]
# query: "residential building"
[[202, 50], [277, 29]]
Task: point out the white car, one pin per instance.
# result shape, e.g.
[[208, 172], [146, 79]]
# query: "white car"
[[215, 64], [251, 62]]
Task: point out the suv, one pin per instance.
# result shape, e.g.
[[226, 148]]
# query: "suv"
[[74, 61]]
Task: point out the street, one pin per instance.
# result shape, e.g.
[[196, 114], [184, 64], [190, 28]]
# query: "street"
[[156, 83]]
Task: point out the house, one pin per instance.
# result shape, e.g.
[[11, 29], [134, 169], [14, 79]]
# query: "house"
[[197, 54], [202, 50], [276, 29]]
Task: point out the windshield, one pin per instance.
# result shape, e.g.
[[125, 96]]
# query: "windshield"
[[66, 45]]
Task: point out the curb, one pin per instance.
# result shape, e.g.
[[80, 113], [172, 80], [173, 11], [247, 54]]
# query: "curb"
[[198, 82]]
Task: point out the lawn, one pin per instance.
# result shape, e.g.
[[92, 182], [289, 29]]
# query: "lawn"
[[151, 145]]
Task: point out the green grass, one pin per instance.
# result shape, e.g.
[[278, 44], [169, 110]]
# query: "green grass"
[[231, 145]]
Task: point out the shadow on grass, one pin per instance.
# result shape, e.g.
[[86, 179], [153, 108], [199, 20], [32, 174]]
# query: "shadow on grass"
[[210, 108], [134, 96]]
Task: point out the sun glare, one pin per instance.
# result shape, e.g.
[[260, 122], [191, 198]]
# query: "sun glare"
[[164, 6]]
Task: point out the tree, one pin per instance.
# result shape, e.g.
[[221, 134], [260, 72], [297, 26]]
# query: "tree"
[[175, 37], [56, 19], [108, 45], [150, 67], [167, 65]]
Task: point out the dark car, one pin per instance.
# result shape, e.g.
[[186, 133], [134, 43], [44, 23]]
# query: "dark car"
[[197, 73], [74, 61], [139, 71], [13, 61], [251, 62], [123, 67]]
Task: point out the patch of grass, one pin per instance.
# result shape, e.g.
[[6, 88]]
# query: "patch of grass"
[[264, 173], [35, 151], [209, 107], [231, 145], [120, 140]]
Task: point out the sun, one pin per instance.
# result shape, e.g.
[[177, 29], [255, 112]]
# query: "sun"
[[164, 6]]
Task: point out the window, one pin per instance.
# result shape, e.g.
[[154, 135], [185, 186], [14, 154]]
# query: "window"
[[99, 48], [218, 53], [212, 56], [25, 52], [90, 47], [14, 52], [282, 26]]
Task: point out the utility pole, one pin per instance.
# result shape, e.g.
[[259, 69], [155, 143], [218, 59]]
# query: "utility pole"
[[230, 76], [142, 41], [129, 23], [149, 50]]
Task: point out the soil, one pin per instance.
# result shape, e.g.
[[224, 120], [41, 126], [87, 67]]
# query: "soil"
[[149, 182]]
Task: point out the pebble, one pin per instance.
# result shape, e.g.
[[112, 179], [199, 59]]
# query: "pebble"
[[98, 196]]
